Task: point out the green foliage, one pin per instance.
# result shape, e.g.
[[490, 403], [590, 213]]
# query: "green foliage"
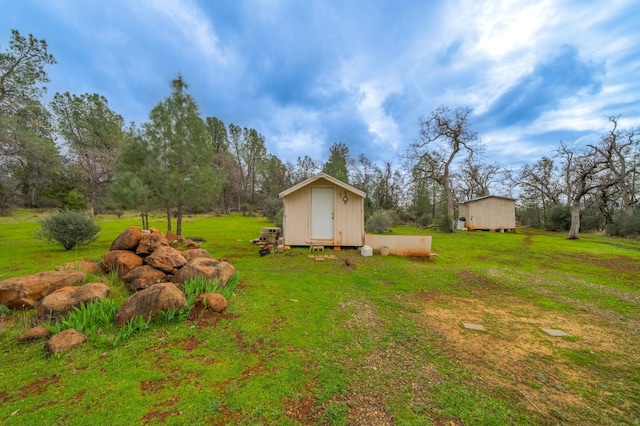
[[559, 219], [336, 165], [74, 200], [625, 226], [69, 229], [380, 221], [88, 318], [4, 310], [444, 224]]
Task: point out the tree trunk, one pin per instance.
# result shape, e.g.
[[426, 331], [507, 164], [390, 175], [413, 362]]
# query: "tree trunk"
[[91, 209], [168, 219], [179, 220], [575, 220], [450, 211]]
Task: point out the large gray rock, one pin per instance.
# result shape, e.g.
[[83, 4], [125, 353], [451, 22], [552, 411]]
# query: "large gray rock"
[[150, 302], [211, 269], [127, 240], [121, 261], [64, 341], [143, 277], [26, 292], [59, 303], [167, 259]]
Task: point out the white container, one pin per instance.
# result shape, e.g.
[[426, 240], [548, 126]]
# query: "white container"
[[366, 251]]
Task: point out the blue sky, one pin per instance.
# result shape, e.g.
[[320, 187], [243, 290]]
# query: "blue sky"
[[307, 74]]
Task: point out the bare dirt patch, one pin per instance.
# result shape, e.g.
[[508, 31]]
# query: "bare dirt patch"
[[516, 355]]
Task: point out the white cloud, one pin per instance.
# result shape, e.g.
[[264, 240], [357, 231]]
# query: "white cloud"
[[190, 21]]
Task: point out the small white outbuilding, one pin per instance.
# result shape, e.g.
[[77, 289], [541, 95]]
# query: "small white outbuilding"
[[489, 213], [323, 211]]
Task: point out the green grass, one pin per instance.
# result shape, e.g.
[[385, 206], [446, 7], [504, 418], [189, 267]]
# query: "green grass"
[[309, 342]]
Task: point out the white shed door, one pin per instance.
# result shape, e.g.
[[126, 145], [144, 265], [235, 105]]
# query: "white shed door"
[[322, 213]]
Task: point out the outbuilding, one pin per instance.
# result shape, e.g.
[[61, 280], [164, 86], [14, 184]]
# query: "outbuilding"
[[323, 211], [489, 213]]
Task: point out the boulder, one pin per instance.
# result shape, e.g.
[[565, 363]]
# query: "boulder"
[[143, 277], [214, 302], [191, 254], [149, 302], [59, 303], [166, 258], [171, 236], [34, 333], [26, 292], [86, 265], [122, 261], [150, 242], [211, 269], [64, 341], [127, 240]]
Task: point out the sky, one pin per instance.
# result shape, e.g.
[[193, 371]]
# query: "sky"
[[308, 74]]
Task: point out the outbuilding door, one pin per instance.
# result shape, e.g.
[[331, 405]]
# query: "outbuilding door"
[[322, 213]]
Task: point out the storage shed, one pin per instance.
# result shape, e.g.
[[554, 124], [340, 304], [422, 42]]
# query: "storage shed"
[[323, 211], [490, 213]]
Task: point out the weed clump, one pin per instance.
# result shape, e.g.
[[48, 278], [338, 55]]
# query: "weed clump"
[[68, 229], [380, 221]]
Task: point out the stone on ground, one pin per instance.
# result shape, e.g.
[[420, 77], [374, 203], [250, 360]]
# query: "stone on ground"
[[211, 269], [167, 259], [555, 332], [127, 240], [26, 292], [34, 333], [64, 341], [472, 326], [121, 261], [88, 266], [214, 302], [143, 277], [59, 303], [150, 302]]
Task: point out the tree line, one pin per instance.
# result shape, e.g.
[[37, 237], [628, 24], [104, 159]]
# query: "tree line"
[[77, 153]]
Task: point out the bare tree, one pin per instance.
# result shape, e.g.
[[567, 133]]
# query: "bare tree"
[[582, 169], [444, 136], [615, 148], [474, 179]]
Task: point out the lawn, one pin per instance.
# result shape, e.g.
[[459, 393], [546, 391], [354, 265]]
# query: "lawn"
[[355, 340]]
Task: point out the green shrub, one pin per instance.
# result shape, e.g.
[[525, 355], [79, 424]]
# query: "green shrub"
[[559, 219], [68, 229], [444, 224], [380, 221], [625, 226]]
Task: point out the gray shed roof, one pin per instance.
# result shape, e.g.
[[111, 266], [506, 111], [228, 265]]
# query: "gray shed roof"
[[485, 197], [325, 176]]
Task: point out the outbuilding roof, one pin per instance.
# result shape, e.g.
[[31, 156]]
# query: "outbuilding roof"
[[487, 196], [325, 176]]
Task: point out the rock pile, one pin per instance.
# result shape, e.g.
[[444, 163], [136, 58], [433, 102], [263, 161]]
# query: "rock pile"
[[143, 259], [152, 265]]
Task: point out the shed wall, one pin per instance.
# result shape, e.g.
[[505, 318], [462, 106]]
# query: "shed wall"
[[348, 217], [490, 213]]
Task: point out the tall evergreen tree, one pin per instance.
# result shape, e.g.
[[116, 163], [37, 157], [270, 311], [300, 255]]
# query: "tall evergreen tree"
[[338, 161], [183, 145]]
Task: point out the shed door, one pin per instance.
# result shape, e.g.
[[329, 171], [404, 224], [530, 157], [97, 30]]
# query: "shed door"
[[322, 213]]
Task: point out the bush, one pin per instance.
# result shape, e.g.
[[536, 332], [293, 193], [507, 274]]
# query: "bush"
[[444, 224], [625, 226], [68, 229], [380, 221], [559, 219]]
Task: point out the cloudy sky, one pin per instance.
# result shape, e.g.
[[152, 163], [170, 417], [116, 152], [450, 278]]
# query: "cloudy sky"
[[307, 74]]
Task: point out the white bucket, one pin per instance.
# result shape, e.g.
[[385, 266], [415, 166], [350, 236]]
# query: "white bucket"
[[366, 251]]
